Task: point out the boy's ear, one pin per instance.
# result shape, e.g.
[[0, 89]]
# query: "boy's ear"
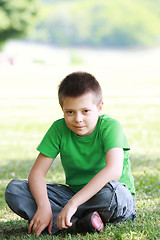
[[100, 108]]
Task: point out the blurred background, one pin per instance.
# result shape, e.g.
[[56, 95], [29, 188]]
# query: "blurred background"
[[43, 40]]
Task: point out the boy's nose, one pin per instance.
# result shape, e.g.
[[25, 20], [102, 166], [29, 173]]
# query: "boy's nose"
[[78, 117]]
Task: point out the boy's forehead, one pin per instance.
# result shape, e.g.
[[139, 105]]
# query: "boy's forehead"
[[83, 100]]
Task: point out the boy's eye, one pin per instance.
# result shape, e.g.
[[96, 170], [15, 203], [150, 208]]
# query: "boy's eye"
[[69, 112], [86, 111]]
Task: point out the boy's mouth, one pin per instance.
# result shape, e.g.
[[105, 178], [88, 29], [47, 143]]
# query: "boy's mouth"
[[79, 127]]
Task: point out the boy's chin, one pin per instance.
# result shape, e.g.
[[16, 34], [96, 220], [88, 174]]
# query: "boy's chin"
[[83, 133]]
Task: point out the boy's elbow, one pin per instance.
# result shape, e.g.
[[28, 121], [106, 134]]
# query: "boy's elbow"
[[35, 175], [117, 177], [117, 174], [31, 176]]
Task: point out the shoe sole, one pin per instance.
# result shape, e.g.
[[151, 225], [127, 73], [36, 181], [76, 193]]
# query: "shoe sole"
[[97, 222]]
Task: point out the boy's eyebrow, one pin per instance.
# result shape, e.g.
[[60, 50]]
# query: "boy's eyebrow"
[[80, 108]]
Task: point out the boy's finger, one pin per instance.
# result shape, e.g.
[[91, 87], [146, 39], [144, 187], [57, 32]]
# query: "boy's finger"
[[40, 229], [62, 224], [68, 223], [58, 222], [50, 227]]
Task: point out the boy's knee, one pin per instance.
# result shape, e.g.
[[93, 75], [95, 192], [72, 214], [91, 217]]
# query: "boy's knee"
[[19, 199], [119, 204], [12, 186], [15, 187], [114, 195]]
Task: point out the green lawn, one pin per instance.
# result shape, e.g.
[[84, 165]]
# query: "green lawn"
[[25, 119]]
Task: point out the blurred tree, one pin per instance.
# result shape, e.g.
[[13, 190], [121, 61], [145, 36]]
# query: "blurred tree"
[[118, 23], [15, 18]]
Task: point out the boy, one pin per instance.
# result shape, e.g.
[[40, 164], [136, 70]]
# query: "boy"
[[95, 157]]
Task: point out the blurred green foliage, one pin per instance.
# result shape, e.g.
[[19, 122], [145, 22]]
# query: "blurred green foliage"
[[118, 23], [15, 18], [102, 23]]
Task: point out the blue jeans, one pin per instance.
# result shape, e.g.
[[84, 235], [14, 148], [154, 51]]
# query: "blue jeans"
[[114, 202]]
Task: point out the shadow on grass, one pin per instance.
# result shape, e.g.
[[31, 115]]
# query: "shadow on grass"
[[13, 229], [18, 229]]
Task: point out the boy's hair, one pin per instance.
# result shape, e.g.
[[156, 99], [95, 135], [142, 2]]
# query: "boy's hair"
[[78, 83]]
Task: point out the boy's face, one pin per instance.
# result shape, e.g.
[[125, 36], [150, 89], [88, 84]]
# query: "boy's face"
[[81, 113]]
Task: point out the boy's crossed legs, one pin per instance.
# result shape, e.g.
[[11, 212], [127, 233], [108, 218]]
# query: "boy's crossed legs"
[[114, 202]]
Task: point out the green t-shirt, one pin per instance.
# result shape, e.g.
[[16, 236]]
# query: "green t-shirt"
[[83, 157]]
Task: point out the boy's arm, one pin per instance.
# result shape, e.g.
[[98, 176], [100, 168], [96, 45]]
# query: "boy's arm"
[[111, 171], [37, 185]]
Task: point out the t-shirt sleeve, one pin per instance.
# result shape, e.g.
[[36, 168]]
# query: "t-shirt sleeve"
[[50, 144], [113, 135]]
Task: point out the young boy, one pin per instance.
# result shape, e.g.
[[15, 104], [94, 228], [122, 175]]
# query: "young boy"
[[95, 156]]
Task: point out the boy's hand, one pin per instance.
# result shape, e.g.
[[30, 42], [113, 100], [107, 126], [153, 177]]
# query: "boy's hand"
[[64, 218], [42, 218]]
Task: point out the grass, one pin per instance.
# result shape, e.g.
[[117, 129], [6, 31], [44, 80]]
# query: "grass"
[[23, 123]]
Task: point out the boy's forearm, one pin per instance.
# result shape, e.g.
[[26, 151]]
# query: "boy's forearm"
[[36, 179], [94, 186], [43, 216], [37, 186]]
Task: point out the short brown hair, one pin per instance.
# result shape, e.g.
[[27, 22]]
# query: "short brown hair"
[[78, 83]]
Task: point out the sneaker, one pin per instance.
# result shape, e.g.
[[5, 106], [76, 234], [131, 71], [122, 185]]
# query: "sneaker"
[[90, 223]]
